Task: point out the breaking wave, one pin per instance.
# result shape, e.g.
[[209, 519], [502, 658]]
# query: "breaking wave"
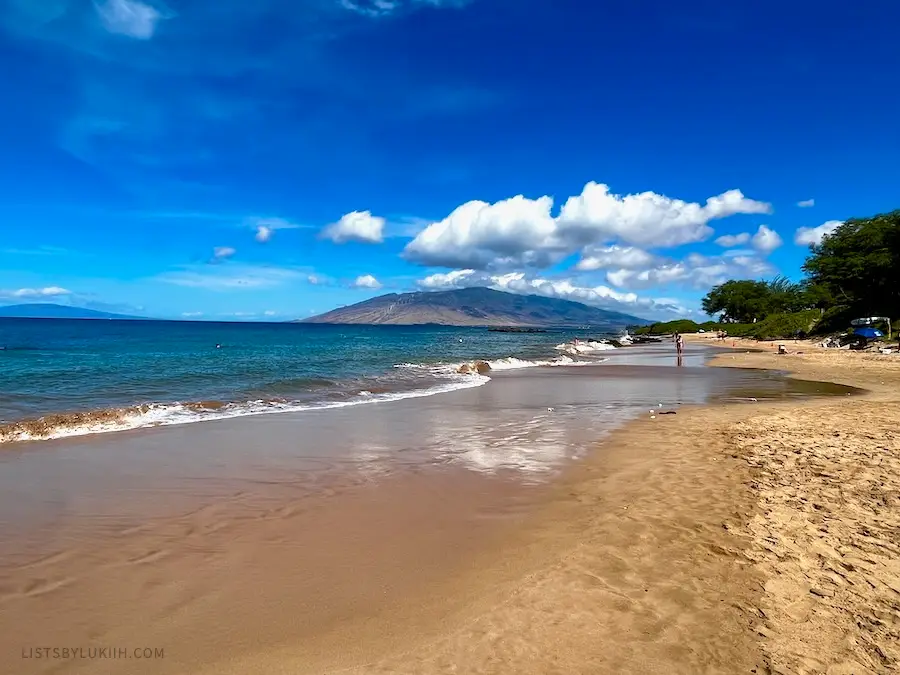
[[410, 380], [166, 414]]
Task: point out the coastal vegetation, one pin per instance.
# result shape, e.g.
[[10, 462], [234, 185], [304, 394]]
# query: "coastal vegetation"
[[854, 272]]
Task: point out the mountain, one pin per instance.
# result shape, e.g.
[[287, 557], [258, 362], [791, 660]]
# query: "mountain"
[[474, 307], [50, 311]]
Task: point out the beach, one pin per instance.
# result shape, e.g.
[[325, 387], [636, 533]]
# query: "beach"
[[532, 534]]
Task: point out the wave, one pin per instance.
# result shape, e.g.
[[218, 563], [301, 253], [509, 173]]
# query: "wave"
[[512, 363], [508, 363], [584, 347], [166, 414], [283, 396]]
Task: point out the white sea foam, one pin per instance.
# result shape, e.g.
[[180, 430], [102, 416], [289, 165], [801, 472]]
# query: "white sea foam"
[[585, 347], [512, 363], [168, 414]]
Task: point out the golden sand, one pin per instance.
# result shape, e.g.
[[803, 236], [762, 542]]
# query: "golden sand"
[[724, 539]]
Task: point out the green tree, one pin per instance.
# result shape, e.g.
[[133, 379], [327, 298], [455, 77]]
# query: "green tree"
[[740, 301], [858, 265], [784, 296]]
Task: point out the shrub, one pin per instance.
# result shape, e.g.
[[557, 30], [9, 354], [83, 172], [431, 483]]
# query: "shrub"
[[786, 325]]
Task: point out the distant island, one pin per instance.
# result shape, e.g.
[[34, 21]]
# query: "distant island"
[[475, 307], [47, 310]]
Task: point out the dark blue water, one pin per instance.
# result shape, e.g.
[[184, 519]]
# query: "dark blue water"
[[50, 366]]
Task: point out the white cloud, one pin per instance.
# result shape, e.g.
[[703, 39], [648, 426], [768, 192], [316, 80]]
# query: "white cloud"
[[223, 252], [366, 281], [565, 289], [806, 203], [263, 233], [129, 17], [191, 315], [270, 312], [766, 240], [523, 231], [627, 257], [729, 240], [230, 277], [649, 219], [381, 8], [266, 227], [359, 226], [809, 236], [695, 271], [34, 293]]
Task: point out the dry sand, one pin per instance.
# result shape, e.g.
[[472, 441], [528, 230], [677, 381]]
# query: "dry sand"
[[724, 539], [730, 539]]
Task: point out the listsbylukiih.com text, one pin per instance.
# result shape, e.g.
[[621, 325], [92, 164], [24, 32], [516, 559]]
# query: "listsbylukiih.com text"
[[90, 653]]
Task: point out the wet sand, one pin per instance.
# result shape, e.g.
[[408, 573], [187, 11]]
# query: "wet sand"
[[618, 562]]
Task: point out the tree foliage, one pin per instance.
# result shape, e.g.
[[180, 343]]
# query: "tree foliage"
[[747, 301], [858, 265], [854, 272]]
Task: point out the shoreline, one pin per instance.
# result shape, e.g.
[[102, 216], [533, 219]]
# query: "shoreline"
[[643, 557]]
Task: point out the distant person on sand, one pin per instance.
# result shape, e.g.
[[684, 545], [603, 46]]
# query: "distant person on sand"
[[679, 347]]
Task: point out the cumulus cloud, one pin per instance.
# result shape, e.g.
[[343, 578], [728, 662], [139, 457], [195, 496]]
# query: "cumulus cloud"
[[129, 17], [564, 289], [695, 271], [34, 293], [627, 257], [521, 231], [366, 281], [806, 203], [359, 226], [223, 252], [813, 236], [729, 240], [766, 240]]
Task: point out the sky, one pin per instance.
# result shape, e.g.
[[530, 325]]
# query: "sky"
[[273, 159]]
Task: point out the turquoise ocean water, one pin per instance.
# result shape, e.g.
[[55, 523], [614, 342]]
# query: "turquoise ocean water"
[[102, 375]]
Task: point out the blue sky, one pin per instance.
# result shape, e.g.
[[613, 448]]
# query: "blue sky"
[[225, 159]]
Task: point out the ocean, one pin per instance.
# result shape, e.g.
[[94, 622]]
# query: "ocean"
[[63, 377]]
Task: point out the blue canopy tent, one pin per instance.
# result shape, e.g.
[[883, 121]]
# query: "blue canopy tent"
[[868, 332], [865, 327]]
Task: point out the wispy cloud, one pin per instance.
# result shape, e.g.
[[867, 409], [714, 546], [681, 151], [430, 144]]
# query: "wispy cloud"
[[806, 203], [221, 253], [266, 227], [230, 277], [383, 8], [39, 250], [129, 17], [566, 289], [34, 293]]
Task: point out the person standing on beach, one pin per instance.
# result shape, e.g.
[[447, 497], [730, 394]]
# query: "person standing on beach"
[[679, 347]]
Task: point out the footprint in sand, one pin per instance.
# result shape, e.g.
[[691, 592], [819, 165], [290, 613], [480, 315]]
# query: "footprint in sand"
[[37, 587], [150, 557]]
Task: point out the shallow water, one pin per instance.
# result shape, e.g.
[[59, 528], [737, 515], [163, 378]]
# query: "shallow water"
[[64, 378], [523, 424]]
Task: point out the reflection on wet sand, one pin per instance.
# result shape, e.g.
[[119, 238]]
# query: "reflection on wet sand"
[[271, 529]]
